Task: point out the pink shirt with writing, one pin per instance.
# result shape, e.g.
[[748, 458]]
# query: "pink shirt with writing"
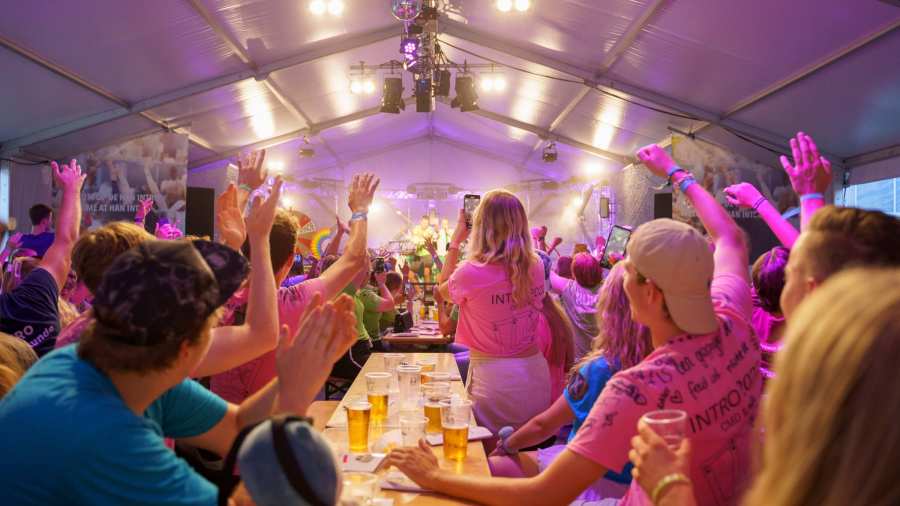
[[715, 378], [489, 322], [237, 384]]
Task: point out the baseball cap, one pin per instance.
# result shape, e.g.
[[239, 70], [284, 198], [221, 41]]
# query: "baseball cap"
[[284, 461], [677, 259], [163, 291]]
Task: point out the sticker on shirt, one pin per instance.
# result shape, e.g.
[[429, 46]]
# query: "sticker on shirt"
[[577, 387]]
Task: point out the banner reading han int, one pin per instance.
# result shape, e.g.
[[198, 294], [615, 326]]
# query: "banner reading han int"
[[120, 176], [716, 168]]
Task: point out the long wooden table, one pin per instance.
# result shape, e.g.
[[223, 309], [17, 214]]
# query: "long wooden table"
[[475, 463]]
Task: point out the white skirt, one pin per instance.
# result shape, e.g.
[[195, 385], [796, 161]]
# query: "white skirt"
[[602, 492], [508, 391]]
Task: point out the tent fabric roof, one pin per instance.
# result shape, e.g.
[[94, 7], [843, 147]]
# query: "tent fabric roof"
[[238, 74]]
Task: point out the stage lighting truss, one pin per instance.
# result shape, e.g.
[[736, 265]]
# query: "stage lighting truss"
[[333, 7], [492, 82], [509, 5], [362, 81]]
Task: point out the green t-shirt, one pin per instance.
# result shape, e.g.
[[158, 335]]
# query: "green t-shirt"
[[371, 316], [361, 333], [387, 319]]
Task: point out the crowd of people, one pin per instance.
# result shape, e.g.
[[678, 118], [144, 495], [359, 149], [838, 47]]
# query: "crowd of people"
[[150, 368]]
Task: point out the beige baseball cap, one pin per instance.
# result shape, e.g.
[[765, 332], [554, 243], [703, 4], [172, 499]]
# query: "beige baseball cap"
[[678, 260]]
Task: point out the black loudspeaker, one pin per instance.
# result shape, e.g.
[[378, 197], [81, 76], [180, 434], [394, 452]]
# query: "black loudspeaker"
[[662, 205], [200, 214]]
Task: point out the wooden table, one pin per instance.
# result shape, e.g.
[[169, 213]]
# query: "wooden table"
[[475, 463], [404, 339]]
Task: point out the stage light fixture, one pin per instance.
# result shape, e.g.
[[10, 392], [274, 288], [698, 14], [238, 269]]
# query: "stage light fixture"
[[487, 83], [369, 86], [392, 99], [466, 97], [442, 82], [356, 86], [522, 5], [336, 7], [550, 154], [318, 7], [424, 96], [504, 5]]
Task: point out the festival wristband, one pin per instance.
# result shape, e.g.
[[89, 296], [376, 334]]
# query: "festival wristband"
[[359, 216], [452, 245], [671, 172], [812, 196], [758, 203], [666, 482], [504, 434], [245, 187], [686, 183]]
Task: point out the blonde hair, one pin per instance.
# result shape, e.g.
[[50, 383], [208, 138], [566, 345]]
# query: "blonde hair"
[[832, 436], [96, 250], [620, 340], [500, 235], [15, 358], [562, 347]]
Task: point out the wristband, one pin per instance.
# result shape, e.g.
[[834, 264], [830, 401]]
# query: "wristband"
[[811, 196], [758, 203], [665, 482], [359, 216], [452, 245], [671, 172], [686, 183], [245, 187], [504, 434]]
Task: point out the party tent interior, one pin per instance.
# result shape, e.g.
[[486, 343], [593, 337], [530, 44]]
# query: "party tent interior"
[[567, 91]]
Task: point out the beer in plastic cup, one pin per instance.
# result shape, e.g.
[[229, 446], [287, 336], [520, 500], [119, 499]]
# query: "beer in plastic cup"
[[358, 414], [455, 415], [432, 395], [378, 384], [428, 377]]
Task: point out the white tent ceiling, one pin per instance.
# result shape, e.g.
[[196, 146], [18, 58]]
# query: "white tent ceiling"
[[238, 74]]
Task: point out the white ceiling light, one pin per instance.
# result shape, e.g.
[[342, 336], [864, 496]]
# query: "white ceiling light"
[[336, 7], [369, 86], [356, 87], [499, 83], [487, 83], [522, 5], [318, 7], [504, 5]]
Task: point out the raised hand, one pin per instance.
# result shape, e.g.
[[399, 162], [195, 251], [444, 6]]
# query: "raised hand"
[[229, 219], [341, 227], [69, 177], [430, 246], [262, 214], [419, 464], [656, 159], [362, 192], [168, 232], [810, 172], [143, 209], [381, 278], [653, 460], [250, 169], [743, 195]]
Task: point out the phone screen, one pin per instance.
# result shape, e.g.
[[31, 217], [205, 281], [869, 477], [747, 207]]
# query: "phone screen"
[[470, 203], [615, 244]]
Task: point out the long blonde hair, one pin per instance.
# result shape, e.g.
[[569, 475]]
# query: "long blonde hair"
[[500, 235], [15, 358], [620, 340], [832, 436], [562, 346]]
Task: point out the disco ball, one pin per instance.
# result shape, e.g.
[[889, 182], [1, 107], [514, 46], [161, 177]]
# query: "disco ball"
[[406, 10]]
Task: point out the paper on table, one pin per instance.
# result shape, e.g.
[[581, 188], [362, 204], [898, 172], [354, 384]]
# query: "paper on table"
[[361, 462], [396, 480]]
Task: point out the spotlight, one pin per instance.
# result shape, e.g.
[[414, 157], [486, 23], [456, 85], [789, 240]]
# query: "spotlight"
[[424, 97], [369, 86], [306, 150], [336, 7], [318, 7], [487, 83], [504, 5], [443, 83], [499, 83], [522, 5], [392, 100], [356, 87], [550, 154], [466, 97]]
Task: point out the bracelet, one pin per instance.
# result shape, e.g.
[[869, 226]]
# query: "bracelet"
[[758, 203], [245, 187], [811, 196], [504, 434], [686, 183], [359, 216], [452, 246], [665, 482], [671, 172]]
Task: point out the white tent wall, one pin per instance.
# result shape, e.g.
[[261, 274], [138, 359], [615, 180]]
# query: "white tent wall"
[[885, 169]]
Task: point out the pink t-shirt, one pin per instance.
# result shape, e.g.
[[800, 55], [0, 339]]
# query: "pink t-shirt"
[[237, 384], [714, 378], [72, 333], [488, 321], [769, 329]]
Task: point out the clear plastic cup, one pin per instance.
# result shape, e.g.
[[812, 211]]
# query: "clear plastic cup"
[[359, 412], [391, 361], [408, 376], [378, 385], [428, 364], [359, 489], [432, 395], [412, 427], [455, 416], [669, 424], [428, 377]]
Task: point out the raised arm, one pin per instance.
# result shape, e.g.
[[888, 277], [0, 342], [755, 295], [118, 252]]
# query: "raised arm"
[[731, 251], [230, 220], [234, 345], [460, 234], [339, 275], [747, 196], [386, 300], [58, 258], [334, 246], [810, 175]]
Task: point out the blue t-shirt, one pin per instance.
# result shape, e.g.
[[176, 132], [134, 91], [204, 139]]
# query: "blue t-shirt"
[[38, 242], [31, 311], [69, 439], [582, 391]]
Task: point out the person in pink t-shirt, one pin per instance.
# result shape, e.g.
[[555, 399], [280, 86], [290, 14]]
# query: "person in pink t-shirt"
[[239, 383], [705, 362], [500, 292]]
